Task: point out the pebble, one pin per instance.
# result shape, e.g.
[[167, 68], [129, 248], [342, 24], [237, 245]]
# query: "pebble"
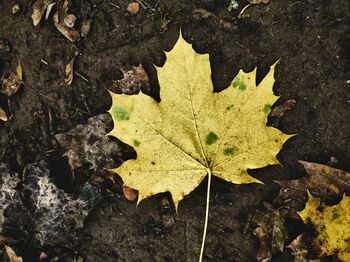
[[133, 8]]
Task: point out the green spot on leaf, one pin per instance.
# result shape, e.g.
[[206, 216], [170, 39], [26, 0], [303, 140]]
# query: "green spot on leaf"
[[136, 142], [243, 172], [335, 216], [230, 151], [235, 81], [211, 138], [229, 107], [267, 108], [242, 86], [120, 113]]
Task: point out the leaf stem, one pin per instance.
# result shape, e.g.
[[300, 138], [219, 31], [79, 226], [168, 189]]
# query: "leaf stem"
[[206, 216]]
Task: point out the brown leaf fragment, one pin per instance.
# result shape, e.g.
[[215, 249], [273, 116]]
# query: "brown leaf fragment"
[[132, 81], [293, 194], [12, 255], [326, 182], [130, 193], [11, 84], [263, 254], [279, 110], [62, 21], [69, 69], [39, 8], [202, 13], [4, 46], [3, 115]]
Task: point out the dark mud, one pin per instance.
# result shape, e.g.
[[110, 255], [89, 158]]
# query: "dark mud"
[[312, 41]]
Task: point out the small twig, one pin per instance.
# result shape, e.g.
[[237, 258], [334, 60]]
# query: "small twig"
[[81, 76], [241, 13], [116, 6]]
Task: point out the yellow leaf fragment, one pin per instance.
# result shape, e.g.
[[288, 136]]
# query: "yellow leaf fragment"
[[193, 130], [12, 255], [11, 84], [3, 115], [331, 225]]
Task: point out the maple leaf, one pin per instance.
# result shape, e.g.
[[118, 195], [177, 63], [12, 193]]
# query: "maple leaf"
[[332, 228], [193, 131]]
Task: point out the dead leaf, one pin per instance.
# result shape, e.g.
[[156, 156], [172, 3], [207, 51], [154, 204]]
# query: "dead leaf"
[[132, 82], [12, 255], [48, 214], [61, 24], [88, 144], [263, 254], [3, 115], [273, 223], [326, 182], [292, 194], [130, 193], [11, 84], [39, 8], [279, 110], [189, 133], [331, 224], [69, 69]]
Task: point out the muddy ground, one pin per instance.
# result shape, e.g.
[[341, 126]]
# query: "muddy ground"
[[311, 39]]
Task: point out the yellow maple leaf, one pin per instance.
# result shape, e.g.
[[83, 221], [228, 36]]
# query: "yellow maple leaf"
[[331, 225], [193, 131]]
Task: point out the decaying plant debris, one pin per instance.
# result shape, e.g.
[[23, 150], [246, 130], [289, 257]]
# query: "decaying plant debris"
[[39, 210], [309, 37]]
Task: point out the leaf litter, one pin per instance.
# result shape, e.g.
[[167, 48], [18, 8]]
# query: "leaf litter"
[[35, 207], [88, 144], [63, 21], [189, 133], [328, 223], [272, 223], [332, 231]]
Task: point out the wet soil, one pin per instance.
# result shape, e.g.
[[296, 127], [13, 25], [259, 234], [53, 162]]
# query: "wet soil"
[[312, 41]]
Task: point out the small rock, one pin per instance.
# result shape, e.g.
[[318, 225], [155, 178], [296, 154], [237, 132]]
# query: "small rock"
[[133, 8]]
